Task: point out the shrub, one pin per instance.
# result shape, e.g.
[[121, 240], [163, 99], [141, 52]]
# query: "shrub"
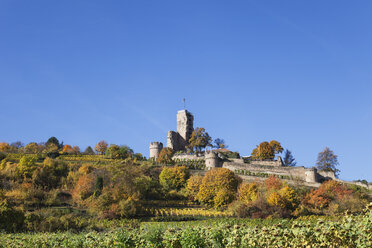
[[153, 237], [273, 183], [11, 219], [124, 239], [248, 192], [191, 238], [319, 199]]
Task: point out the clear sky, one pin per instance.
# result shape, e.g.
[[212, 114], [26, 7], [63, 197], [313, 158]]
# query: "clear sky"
[[299, 72]]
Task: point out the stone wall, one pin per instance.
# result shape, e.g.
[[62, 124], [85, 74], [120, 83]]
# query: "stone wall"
[[296, 173], [175, 141], [188, 156]]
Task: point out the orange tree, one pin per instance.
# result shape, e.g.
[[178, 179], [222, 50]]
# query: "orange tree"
[[4, 147], [101, 147], [267, 150], [67, 149], [199, 140], [218, 187], [320, 198], [165, 156]]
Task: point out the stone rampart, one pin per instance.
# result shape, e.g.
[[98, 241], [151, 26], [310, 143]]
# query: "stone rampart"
[[295, 173]]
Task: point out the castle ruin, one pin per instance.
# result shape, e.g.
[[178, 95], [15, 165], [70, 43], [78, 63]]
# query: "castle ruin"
[[178, 141], [247, 168]]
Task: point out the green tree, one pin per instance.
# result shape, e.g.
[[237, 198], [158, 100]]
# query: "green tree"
[[89, 151], [327, 161], [165, 156], [199, 140], [11, 219], [53, 140], [288, 159], [119, 152], [27, 165]]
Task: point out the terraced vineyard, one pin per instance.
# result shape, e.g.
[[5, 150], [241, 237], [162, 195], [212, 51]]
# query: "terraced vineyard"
[[347, 231]]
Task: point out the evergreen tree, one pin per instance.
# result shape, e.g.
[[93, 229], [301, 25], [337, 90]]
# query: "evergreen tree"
[[53, 140], [288, 158], [89, 151], [219, 143]]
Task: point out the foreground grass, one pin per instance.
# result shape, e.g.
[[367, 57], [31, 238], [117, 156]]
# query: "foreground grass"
[[347, 231]]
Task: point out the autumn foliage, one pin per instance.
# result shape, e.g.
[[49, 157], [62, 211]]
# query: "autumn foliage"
[[174, 177], [267, 150], [218, 187], [165, 156]]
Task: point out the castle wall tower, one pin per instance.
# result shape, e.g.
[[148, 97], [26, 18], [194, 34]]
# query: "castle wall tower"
[[155, 148], [211, 160], [185, 124], [310, 175]]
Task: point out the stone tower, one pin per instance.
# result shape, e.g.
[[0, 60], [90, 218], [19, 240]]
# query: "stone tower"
[[211, 160], [185, 124], [155, 148]]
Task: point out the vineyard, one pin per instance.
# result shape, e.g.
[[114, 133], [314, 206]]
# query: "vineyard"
[[188, 212], [347, 231]]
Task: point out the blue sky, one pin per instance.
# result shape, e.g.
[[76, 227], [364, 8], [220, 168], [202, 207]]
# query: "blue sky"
[[295, 71]]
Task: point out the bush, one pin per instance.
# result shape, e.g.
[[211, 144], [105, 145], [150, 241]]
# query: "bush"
[[11, 219], [248, 192], [124, 239], [2, 156], [191, 237], [153, 237]]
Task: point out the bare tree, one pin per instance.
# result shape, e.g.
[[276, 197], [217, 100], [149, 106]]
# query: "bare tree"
[[327, 161]]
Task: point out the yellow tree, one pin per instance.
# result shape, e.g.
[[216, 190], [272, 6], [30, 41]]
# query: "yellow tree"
[[101, 147], [248, 192], [32, 147], [214, 181], [173, 177], [4, 147], [193, 185]]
